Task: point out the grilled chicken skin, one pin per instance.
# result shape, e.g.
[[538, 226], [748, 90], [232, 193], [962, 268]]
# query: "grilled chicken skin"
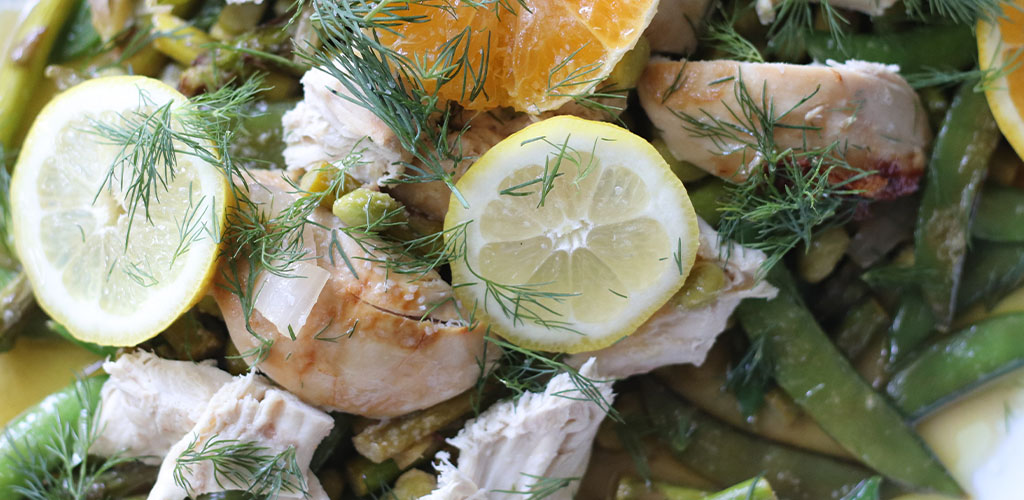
[[867, 109], [363, 347]]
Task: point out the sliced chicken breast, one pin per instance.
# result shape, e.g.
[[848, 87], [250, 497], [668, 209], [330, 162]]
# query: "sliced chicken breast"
[[372, 342], [867, 109]]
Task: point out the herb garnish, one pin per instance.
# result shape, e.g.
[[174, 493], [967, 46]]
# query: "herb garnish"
[[245, 464]]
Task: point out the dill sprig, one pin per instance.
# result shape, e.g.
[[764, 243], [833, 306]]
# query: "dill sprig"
[[242, 464], [788, 194], [720, 32], [542, 487], [524, 370], [61, 468], [959, 11], [794, 19], [986, 78]]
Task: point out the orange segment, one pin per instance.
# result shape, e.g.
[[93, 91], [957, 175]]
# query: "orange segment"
[[998, 45], [537, 54]]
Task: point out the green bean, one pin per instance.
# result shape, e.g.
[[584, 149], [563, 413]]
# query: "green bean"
[[865, 320], [999, 214], [22, 69], [413, 484], [912, 324], [726, 456], [365, 477], [705, 199], [957, 167], [991, 271], [956, 363], [236, 19], [938, 47], [390, 437], [325, 450], [634, 488], [819, 259], [184, 44], [28, 434], [810, 369], [123, 480], [188, 339], [935, 103], [264, 49]]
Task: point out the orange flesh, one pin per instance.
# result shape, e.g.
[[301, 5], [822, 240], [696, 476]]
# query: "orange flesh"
[[535, 57], [1012, 30]]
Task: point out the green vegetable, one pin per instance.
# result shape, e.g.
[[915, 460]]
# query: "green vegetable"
[[868, 490], [365, 477], [706, 199], [865, 320], [325, 450], [726, 456], [704, 283], [935, 103], [390, 437], [991, 271], [958, 362], [754, 489], [364, 207], [22, 69], [936, 47], [955, 173], [822, 382], [1000, 211], [912, 324], [78, 37], [634, 488], [414, 484], [819, 259], [29, 433]]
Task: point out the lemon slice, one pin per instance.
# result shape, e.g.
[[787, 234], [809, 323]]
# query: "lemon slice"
[[998, 44], [612, 241], [71, 229]]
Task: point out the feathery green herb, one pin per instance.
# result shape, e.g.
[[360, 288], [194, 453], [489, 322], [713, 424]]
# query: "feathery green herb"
[[959, 11], [542, 488], [788, 193], [63, 468], [720, 32], [751, 378], [242, 464]]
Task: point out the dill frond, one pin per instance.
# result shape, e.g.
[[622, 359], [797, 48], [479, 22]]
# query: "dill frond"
[[242, 464], [62, 467], [523, 370], [720, 32], [959, 11], [795, 18], [986, 78], [788, 193]]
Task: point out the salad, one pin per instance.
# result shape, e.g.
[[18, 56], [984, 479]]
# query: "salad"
[[500, 249]]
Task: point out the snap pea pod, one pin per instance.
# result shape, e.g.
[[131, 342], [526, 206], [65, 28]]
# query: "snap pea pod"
[[366, 477], [912, 324], [990, 271], [859, 326], [821, 381], [916, 50], [955, 173], [961, 361], [27, 434], [705, 199], [22, 68], [325, 450], [999, 213], [753, 489], [632, 488], [726, 456]]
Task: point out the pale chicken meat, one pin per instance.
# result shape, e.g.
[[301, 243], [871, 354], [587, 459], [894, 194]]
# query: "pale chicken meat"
[[326, 127], [870, 113], [514, 443], [273, 422], [678, 334], [766, 9], [674, 27], [373, 342], [148, 403]]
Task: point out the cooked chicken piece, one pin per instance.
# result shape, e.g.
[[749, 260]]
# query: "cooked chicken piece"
[[149, 403], [248, 411], [513, 443], [766, 8], [680, 334], [324, 126], [364, 346], [674, 27], [867, 108]]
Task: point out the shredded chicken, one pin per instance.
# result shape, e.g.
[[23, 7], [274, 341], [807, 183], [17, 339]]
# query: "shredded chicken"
[[248, 410], [676, 334], [867, 108], [674, 27], [766, 8], [364, 346], [326, 127], [514, 444], [149, 403]]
